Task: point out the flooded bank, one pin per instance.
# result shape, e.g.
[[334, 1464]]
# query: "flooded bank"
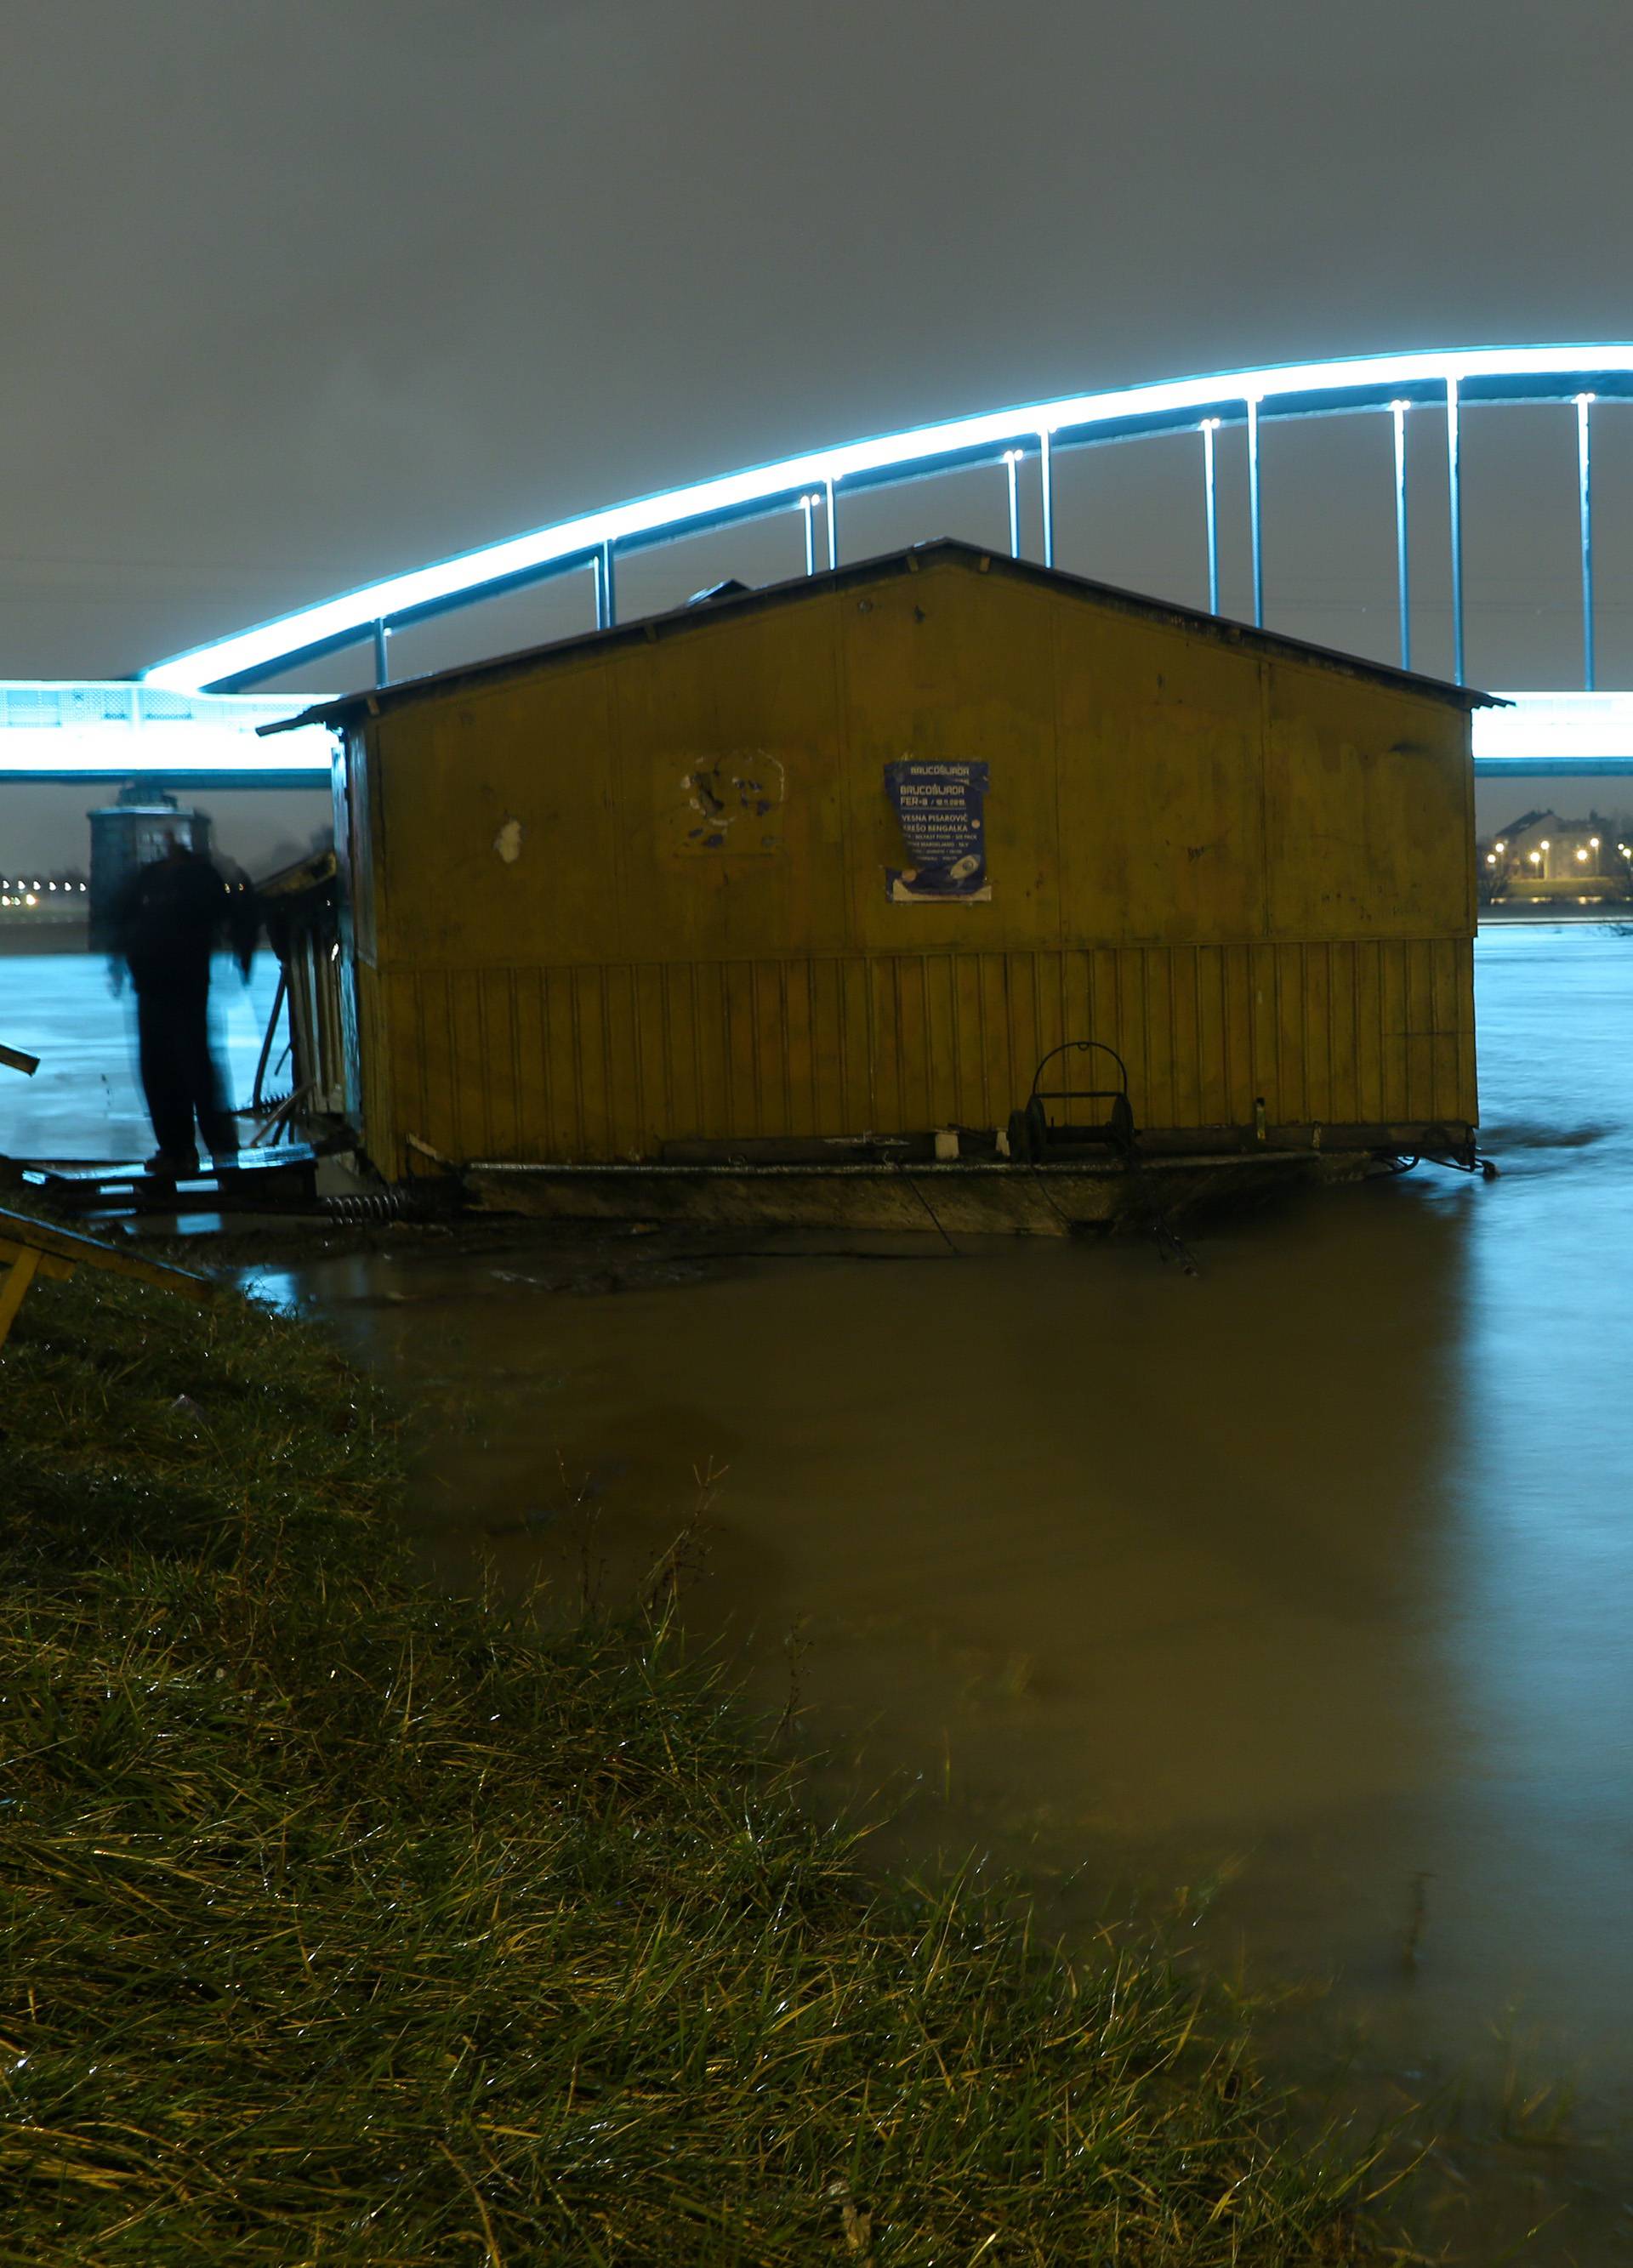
[[1307, 1579]]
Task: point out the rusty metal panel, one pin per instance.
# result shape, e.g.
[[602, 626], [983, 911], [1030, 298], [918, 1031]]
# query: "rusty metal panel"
[[1161, 770], [358, 838], [377, 1055], [1365, 810], [1343, 1100]]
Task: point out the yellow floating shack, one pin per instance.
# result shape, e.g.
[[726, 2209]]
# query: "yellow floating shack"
[[809, 880]]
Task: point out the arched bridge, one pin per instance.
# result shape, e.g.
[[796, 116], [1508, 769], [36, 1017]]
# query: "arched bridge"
[[1583, 729], [1015, 443]]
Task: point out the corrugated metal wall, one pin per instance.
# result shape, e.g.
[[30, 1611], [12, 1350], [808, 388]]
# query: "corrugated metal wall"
[[611, 1061]]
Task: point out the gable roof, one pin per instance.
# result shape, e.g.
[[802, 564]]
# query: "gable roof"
[[944, 550]]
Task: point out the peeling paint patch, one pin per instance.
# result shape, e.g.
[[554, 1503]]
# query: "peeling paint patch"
[[732, 802], [507, 842]]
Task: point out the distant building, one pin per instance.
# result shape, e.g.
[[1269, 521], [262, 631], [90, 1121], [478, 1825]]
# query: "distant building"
[[129, 833], [42, 912], [1541, 854]]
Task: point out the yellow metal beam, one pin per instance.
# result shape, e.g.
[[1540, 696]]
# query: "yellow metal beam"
[[33, 1249]]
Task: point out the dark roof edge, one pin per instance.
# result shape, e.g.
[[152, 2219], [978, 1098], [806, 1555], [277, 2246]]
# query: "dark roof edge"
[[1218, 628]]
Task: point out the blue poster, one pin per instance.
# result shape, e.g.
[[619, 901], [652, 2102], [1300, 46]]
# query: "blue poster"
[[940, 808]]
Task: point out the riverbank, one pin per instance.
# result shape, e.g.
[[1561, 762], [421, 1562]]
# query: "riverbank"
[[350, 1922]]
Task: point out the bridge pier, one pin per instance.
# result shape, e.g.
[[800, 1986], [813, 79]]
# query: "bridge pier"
[[1254, 536], [1403, 572], [1454, 500], [1585, 507]]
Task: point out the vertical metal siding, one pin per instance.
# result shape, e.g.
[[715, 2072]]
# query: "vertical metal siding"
[[608, 1063]]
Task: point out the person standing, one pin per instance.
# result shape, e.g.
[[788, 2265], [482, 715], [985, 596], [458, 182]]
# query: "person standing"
[[168, 920]]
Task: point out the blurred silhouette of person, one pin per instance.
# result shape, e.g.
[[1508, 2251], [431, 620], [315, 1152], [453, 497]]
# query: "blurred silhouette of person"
[[168, 920]]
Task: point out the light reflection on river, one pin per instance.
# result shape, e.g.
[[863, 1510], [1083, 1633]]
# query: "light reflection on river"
[[85, 1099], [1316, 1569]]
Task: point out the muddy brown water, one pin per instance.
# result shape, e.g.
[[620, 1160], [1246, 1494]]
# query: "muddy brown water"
[[1301, 1588]]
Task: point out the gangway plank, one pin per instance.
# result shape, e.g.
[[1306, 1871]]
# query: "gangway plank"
[[103, 1185]]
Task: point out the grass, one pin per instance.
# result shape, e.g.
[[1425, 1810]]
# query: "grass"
[[347, 1923]]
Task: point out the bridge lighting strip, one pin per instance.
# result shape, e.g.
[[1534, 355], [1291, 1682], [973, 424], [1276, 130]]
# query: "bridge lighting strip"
[[1536, 734], [593, 535], [247, 767], [51, 731]]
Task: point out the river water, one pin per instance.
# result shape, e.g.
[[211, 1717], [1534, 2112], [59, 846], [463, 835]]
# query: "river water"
[[1301, 1586], [85, 1099]]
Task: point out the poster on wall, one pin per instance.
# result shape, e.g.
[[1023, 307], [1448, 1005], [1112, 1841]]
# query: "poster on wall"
[[941, 807]]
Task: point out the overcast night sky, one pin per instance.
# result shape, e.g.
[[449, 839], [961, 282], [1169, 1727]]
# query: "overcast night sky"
[[296, 295]]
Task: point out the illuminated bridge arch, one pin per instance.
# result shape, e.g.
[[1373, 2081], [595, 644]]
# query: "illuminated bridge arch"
[[1018, 443]]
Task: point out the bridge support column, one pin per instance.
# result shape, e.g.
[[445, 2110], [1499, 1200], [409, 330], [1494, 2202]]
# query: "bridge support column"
[[1011, 458], [1046, 469], [1210, 510], [833, 521], [382, 664], [1584, 505], [1454, 500], [1398, 410], [606, 590], [808, 506], [1253, 511]]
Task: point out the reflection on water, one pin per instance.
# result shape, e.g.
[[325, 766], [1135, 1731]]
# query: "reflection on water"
[[1314, 1571], [85, 1099]]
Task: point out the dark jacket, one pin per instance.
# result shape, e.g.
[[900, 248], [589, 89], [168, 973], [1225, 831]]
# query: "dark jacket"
[[170, 917]]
